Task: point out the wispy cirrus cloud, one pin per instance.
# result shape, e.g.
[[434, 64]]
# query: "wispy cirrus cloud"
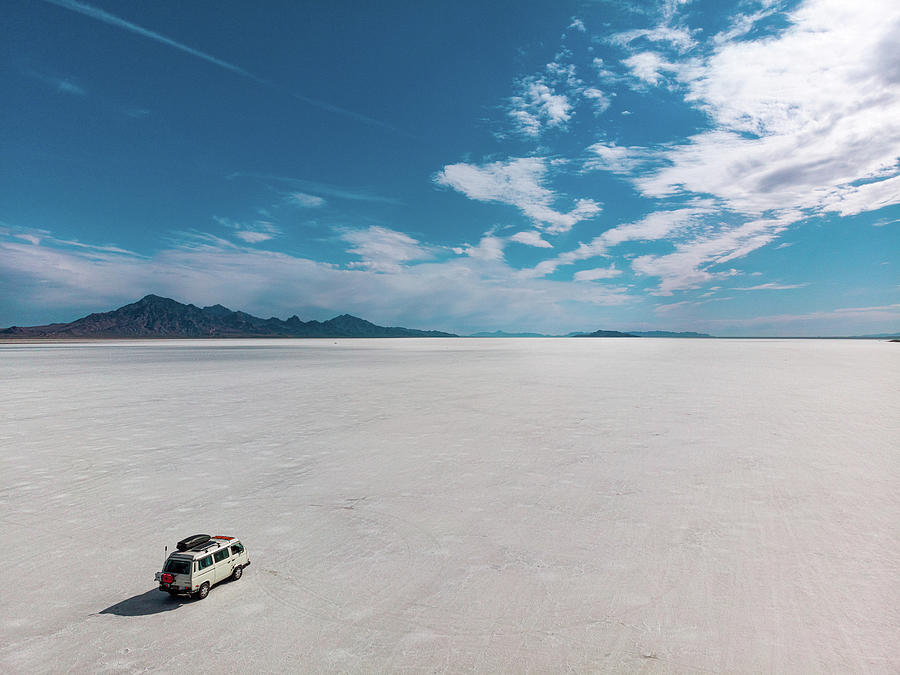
[[253, 232], [520, 183], [311, 190], [655, 226], [773, 286], [680, 38], [306, 200], [693, 262], [742, 24], [64, 85], [112, 20]]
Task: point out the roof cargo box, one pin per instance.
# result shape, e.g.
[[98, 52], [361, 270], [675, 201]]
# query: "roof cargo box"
[[192, 541]]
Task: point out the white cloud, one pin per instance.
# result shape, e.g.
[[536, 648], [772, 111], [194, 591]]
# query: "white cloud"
[[600, 101], [803, 122], [670, 8], [650, 67], [252, 233], [253, 237], [597, 273], [538, 106], [741, 24], [306, 200], [531, 238], [519, 182], [615, 158], [548, 100], [689, 265], [809, 119], [31, 238], [382, 249], [655, 226], [577, 24], [849, 200], [490, 248], [603, 72], [700, 243], [680, 38]]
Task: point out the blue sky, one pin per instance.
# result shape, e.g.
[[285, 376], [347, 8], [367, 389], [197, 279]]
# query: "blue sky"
[[728, 167]]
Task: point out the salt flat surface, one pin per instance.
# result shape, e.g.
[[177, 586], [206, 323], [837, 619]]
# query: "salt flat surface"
[[455, 505]]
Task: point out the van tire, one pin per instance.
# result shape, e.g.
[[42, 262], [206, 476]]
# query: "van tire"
[[238, 571], [204, 591]]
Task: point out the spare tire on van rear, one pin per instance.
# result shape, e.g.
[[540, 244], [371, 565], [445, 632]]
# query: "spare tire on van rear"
[[192, 541]]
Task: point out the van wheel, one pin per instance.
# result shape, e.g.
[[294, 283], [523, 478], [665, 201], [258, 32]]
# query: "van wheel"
[[204, 591], [238, 571]]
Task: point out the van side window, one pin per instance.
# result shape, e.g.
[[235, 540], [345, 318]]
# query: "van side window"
[[236, 549], [205, 562], [221, 554]]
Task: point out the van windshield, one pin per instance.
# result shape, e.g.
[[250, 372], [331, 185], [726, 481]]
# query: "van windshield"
[[175, 566]]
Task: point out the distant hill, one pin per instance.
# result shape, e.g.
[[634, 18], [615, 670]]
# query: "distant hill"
[[155, 317], [604, 334], [599, 333], [504, 334], [669, 334]]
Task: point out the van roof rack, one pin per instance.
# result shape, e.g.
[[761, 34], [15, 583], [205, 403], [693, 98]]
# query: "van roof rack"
[[205, 545]]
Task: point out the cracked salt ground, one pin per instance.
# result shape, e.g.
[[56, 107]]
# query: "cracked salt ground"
[[498, 505]]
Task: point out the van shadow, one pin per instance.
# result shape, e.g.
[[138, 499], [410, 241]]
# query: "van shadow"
[[153, 601]]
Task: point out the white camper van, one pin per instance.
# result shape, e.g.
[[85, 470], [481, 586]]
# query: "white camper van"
[[200, 562]]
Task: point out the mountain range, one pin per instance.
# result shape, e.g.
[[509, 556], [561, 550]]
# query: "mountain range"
[[155, 317]]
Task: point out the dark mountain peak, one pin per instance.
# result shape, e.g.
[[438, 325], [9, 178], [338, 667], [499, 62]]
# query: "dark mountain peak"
[[152, 299], [155, 316], [349, 319], [217, 309]]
